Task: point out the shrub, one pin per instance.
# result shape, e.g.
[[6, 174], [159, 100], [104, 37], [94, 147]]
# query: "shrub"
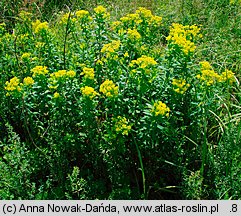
[[105, 112]]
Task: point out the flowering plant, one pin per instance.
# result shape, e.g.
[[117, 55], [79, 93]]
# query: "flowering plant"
[[104, 99]]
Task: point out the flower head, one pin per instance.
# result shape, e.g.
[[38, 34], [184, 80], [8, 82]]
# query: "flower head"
[[88, 92], [111, 47], [227, 76], [26, 56], [183, 36], [133, 34], [39, 70], [12, 85], [143, 62], [121, 125], [39, 26], [81, 14], [67, 17], [25, 16], [101, 11], [28, 81], [144, 13], [88, 73], [131, 19], [180, 86], [62, 74], [71, 74], [208, 75], [109, 89], [56, 95], [160, 108]]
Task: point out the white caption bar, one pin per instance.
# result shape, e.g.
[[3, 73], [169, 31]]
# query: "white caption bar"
[[122, 207]]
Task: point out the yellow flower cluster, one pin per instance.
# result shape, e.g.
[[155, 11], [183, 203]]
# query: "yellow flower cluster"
[[141, 15], [82, 14], [111, 47], [28, 81], [109, 89], [156, 20], [12, 85], [39, 70], [131, 18], [25, 56], [39, 26], [74, 17], [133, 34], [121, 125], [100, 10], [160, 108], [143, 12], [59, 75], [88, 73], [24, 15], [115, 24], [39, 44], [205, 65], [183, 36], [88, 92], [180, 86], [143, 62], [227, 76], [208, 75], [56, 95], [62, 73]]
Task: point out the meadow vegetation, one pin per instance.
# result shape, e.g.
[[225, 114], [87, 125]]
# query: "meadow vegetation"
[[120, 99]]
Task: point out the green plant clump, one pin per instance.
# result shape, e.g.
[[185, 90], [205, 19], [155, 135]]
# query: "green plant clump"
[[96, 108]]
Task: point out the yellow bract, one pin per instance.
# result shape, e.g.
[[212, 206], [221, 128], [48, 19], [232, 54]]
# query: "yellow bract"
[[115, 24], [143, 62], [56, 95], [160, 108], [131, 18], [88, 73], [81, 14], [208, 75], [180, 86], [38, 26], [142, 15], [26, 56], [13, 84], [62, 73], [133, 34], [183, 36], [88, 92], [111, 47], [100, 10], [143, 12], [25, 16], [28, 81], [39, 70], [121, 125], [109, 89], [227, 76], [67, 17], [205, 65]]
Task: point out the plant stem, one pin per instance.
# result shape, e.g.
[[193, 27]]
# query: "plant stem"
[[142, 169]]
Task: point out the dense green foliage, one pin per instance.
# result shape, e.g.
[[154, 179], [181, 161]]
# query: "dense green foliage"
[[103, 103]]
